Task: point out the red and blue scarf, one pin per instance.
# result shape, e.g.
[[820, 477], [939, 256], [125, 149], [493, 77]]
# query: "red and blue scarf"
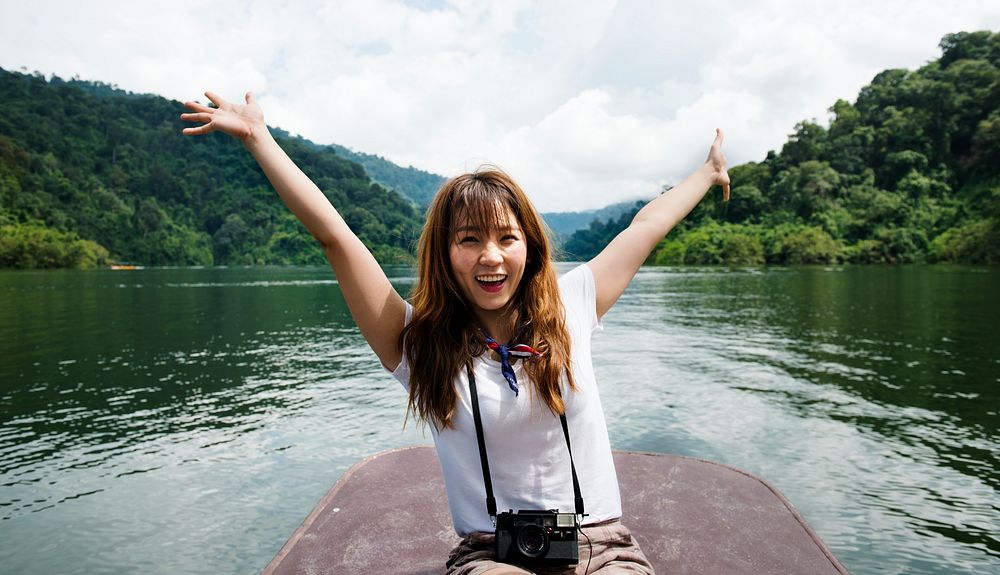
[[505, 351]]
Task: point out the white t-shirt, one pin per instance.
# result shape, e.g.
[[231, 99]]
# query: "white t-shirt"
[[529, 461]]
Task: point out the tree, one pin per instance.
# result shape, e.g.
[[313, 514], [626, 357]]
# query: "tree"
[[112, 167]]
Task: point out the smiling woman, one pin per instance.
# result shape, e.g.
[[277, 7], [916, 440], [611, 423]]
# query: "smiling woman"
[[487, 294], [488, 262], [494, 259], [498, 282]]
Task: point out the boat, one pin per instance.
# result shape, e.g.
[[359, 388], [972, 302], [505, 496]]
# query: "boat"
[[125, 266], [389, 514]]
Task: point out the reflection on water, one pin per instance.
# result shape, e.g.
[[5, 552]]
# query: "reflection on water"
[[867, 395], [186, 420]]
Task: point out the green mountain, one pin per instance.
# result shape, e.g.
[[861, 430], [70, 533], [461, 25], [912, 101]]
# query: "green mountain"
[[565, 223], [589, 239], [909, 172], [90, 174], [416, 184]]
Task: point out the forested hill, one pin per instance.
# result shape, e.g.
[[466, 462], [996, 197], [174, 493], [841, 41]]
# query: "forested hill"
[[416, 184], [565, 223], [909, 172], [91, 174], [413, 183]]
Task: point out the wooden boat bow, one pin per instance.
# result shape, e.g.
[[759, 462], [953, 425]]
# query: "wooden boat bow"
[[389, 514]]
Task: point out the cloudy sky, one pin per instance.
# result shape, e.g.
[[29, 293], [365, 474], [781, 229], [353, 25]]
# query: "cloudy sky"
[[585, 102]]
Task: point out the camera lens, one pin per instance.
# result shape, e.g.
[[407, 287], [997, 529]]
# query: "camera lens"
[[532, 541]]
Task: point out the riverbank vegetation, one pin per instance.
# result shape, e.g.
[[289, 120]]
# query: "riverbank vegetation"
[[909, 172], [90, 174]]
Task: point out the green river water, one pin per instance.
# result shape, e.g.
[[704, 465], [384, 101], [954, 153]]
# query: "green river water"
[[187, 420]]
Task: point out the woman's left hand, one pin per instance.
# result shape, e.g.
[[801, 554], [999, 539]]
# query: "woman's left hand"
[[718, 162], [242, 121]]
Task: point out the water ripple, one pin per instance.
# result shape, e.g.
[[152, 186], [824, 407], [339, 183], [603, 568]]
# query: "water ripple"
[[186, 420]]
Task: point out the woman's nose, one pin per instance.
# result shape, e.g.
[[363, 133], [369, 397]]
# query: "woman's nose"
[[491, 254]]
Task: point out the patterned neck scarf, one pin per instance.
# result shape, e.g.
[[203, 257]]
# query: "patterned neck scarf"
[[505, 351]]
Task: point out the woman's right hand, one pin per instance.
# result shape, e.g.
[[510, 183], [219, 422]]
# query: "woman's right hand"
[[240, 121], [376, 306]]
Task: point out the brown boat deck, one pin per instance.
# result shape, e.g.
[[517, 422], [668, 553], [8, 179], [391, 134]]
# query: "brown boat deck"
[[389, 514]]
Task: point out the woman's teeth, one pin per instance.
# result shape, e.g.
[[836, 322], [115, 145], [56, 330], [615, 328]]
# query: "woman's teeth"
[[492, 283], [491, 279]]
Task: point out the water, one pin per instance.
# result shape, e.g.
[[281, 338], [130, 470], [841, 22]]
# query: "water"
[[186, 420]]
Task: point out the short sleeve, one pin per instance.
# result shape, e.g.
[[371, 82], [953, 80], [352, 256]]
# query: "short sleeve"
[[579, 295], [402, 371]]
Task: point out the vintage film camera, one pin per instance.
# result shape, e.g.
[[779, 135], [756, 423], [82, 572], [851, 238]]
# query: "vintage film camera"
[[542, 538]]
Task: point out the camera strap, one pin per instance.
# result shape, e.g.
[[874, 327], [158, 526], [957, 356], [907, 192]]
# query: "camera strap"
[[491, 502]]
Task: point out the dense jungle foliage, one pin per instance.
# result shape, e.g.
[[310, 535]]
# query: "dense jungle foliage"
[[416, 184], [90, 174], [909, 172], [413, 183]]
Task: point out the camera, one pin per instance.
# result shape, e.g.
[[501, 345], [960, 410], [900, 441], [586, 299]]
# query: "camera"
[[541, 538]]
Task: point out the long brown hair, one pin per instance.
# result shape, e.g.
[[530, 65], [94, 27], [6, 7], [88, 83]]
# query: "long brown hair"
[[443, 335]]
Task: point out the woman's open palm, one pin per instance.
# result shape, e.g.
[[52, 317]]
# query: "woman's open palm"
[[237, 120]]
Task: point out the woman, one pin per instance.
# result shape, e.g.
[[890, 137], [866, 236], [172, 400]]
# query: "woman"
[[486, 295]]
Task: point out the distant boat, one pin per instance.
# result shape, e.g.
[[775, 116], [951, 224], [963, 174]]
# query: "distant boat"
[[125, 266], [389, 514]]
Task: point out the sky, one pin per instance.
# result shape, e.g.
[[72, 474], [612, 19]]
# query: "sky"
[[585, 103]]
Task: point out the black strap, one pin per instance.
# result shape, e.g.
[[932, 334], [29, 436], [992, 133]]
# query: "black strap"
[[491, 502], [576, 482]]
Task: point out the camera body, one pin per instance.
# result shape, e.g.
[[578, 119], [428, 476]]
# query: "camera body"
[[544, 538]]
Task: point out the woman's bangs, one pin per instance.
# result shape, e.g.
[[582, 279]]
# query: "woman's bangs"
[[481, 207]]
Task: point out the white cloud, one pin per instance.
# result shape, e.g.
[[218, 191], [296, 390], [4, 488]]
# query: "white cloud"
[[585, 103]]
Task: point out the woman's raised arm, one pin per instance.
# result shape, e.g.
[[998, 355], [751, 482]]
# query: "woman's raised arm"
[[376, 307], [616, 265]]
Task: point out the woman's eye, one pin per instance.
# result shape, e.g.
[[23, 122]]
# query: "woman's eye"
[[509, 238], [468, 240]]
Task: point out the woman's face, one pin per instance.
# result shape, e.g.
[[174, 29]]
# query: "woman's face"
[[488, 264]]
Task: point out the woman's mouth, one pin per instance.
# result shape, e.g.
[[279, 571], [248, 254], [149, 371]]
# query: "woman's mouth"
[[491, 283]]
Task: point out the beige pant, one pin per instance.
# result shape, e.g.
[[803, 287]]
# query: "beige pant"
[[608, 548]]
